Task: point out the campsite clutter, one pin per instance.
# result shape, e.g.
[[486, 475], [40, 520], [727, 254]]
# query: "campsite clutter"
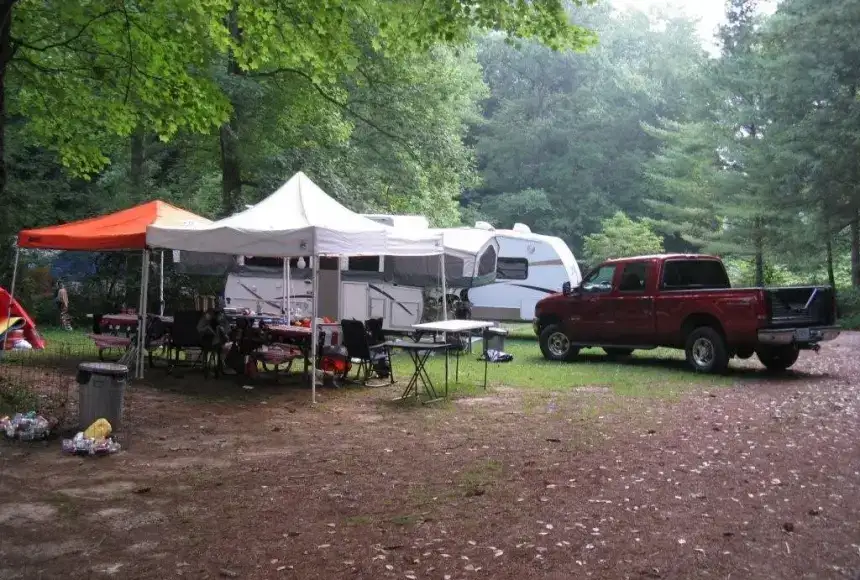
[[275, 325], [27, 426], [95, 440]]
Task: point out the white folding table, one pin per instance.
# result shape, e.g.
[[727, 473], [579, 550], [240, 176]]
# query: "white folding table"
[[458, 327]]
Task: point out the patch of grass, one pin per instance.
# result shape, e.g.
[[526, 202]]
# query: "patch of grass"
[[480, 476], [15, 398], [359, 520], [660, 373]]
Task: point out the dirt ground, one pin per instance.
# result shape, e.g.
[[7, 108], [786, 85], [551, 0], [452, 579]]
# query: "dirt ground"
[[757, 480]]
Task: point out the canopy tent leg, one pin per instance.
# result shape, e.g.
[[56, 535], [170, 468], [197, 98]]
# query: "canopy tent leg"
[[12, 291], [284, 287], [161, 287], [289, 292], [314, 330], [444, 288], [139, 311], [141, 326], [145, 320]]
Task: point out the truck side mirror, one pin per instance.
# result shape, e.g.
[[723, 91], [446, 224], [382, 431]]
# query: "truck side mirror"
[[566, 289]]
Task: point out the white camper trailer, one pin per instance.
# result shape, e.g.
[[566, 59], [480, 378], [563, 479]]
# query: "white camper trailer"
[[343, 294], [394, 288], [529, 267]]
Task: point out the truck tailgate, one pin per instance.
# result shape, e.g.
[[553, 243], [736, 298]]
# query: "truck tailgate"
[[800, 306]]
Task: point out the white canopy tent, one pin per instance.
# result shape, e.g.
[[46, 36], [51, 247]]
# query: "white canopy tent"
[[299, 219]]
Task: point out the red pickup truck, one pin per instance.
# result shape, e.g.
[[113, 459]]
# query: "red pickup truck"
[[685, 302]]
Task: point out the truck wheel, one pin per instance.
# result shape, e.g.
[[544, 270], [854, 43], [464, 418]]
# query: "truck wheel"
[[778, 359], [555, 344], [706, 350], [617, 352]]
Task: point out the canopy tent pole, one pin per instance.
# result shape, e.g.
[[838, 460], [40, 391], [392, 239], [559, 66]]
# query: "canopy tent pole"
[[145, 309], [140, 314], [315, 259], [161, 287], [289, 294], [284, 288], [12, 292], [444, 288]]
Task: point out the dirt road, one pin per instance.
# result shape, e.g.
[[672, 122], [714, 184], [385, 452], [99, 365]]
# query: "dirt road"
[[760, 480]]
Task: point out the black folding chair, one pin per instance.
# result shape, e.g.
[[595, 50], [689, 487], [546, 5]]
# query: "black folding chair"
[[184, 337], [363, 348]]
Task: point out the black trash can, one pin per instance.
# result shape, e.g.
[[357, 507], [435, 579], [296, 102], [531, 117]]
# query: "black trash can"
[[101, 392]]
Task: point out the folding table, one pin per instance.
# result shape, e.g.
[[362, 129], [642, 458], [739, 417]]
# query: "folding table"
[[458, 327], [419, 353]]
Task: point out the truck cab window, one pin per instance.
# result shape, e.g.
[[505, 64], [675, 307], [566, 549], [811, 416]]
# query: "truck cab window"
[[683, 274], [512, 268], [599, 280], [635, 277]]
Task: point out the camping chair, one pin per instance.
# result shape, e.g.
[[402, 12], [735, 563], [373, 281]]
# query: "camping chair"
[[184, 337], [157, 338], [361, 348]]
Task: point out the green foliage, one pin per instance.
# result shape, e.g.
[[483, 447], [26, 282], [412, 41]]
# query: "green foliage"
[[570, 125], [86, 72], [848, 307], [621, 237]]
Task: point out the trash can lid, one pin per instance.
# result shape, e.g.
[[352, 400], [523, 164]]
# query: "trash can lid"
[[104, 368]]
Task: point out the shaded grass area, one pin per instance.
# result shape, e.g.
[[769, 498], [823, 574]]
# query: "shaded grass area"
[[659, 373]]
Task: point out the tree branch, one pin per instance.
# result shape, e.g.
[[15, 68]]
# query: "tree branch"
[[344, 106], [67, 41]]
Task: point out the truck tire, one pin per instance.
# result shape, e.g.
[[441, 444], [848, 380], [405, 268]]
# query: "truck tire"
[[778, 358], [617, 352], [555, 344], [706, 350]]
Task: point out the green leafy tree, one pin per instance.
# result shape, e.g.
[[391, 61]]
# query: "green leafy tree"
[[621, 237], [570, 125]]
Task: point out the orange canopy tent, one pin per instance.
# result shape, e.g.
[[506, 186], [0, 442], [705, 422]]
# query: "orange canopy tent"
[[123, 230]]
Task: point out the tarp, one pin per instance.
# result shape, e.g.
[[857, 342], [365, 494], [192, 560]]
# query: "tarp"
[[123, 230], [299, 219], [15, 310]]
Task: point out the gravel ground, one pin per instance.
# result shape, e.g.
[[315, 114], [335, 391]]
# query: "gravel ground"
[[757, 480]]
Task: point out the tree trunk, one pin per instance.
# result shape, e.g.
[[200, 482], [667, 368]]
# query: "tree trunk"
[[855, 250], [759, 253], [231, 166], [138, 158], [5, 57], [831, 276]]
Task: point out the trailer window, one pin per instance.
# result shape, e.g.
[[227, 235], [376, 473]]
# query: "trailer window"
[[364, 264], [683, 274], [487, 263], [512, 269]]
